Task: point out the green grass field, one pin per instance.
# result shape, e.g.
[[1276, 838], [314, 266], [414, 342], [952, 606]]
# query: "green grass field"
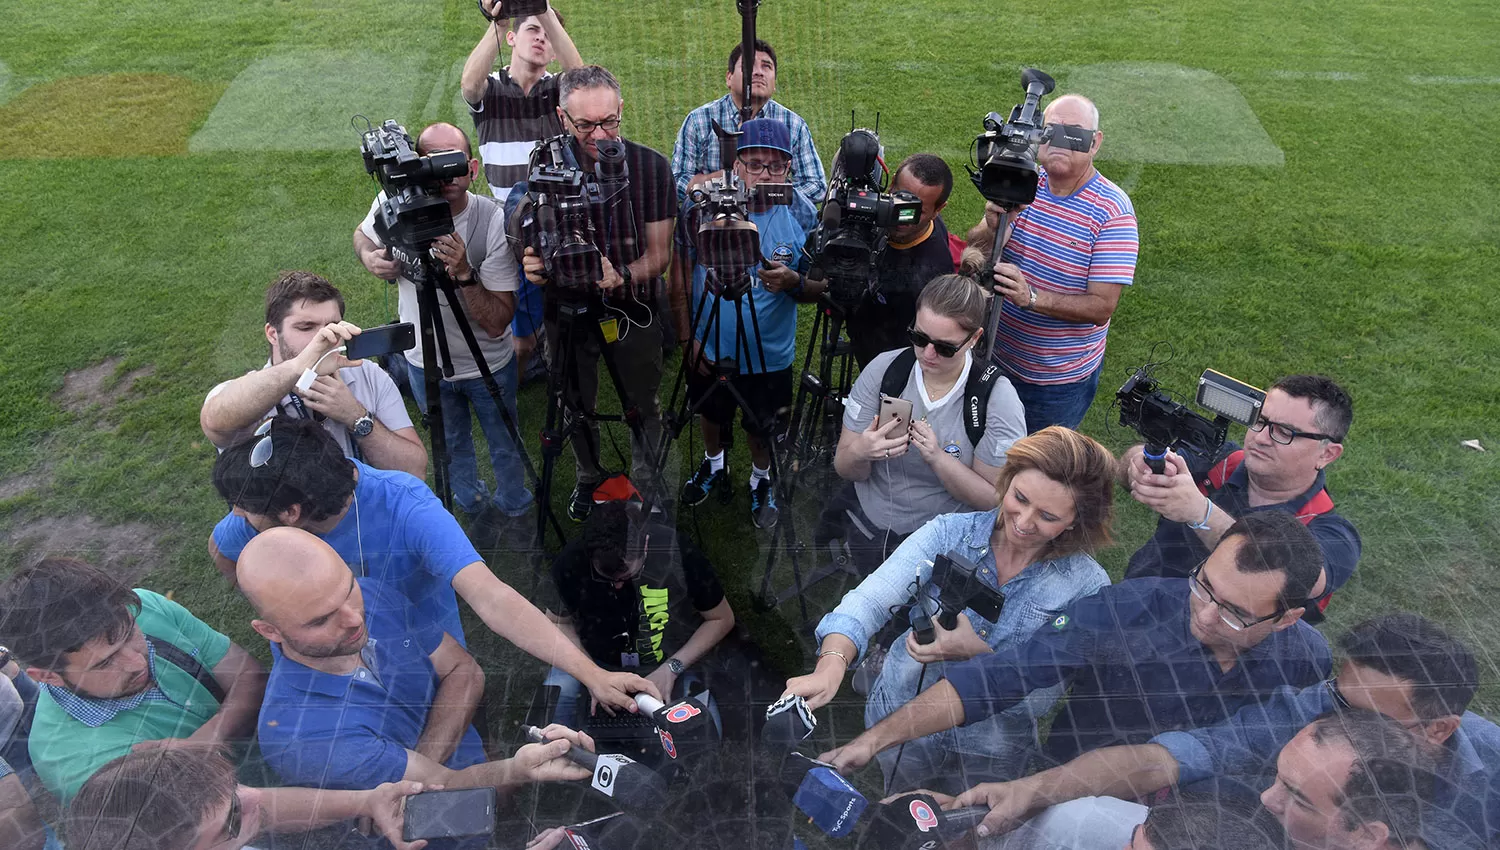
[[1315, 185]]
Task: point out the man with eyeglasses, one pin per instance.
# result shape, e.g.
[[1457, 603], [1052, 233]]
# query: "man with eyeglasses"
[[122, 669], [757, 331], [1300, 431], [1142, 658], [1401, 665], [634, 234], [1068, 258], [696, 156], [638, 597], [478, 259], [183, 800], [914, 255]]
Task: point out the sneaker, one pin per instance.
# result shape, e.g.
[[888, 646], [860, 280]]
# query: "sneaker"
[[763, 510], [697, 488], [581, 504]]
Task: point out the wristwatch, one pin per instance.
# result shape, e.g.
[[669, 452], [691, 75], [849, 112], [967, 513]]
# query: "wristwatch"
[[1031, 304], [626, 276], [675, 666], [363, 426]]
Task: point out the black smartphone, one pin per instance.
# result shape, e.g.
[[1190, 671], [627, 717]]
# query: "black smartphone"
[[386, 339], [459, 813]]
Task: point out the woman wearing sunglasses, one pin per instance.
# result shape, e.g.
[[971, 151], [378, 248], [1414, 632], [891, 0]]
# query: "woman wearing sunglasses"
[[1056, 506], [906, 471]]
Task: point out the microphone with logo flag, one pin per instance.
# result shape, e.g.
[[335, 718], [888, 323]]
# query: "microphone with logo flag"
[[914, 822], [685, 721], [789, 722], [822, 793], [633, 786]]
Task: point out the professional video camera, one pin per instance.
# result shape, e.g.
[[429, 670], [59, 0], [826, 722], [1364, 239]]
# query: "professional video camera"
[[959, 586], [856, 215], [1165, 423], [413, 213], [555, 216], [728, 242], [515, 9], [1006, 151]]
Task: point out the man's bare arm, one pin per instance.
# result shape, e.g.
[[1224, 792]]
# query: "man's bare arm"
[[244, 682], [481, 60], [658, 253], [236, 405], [717, 622], [21, 827], [562, 43], [460, 685], [400, 450], [489, 309]]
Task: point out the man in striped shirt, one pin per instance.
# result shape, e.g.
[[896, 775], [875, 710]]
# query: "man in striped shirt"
[[1069, 255], [513, 108]]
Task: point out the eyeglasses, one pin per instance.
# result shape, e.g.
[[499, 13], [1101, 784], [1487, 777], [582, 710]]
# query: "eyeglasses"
[[775, 169], [260, 455], [1285, 434], [586, 127], [944, 349], [233, 822], [1232, 619]]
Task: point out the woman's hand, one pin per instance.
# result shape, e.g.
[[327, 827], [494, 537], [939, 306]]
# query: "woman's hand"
[[927, 442], [874, 443], [956, 644]]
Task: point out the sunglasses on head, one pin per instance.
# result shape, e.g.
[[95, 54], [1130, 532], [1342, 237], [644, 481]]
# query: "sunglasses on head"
[[945, 349], [260, 453]]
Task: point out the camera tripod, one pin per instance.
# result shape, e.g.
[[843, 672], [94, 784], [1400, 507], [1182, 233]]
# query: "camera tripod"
[[428, 277], [567, 417], [817, 415]]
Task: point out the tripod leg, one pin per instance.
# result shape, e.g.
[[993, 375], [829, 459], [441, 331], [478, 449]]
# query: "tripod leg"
[[426, 311]]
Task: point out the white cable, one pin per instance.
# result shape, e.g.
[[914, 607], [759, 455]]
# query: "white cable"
[[310, 375]]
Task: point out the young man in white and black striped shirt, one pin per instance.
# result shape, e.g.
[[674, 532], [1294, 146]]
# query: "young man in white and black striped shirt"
[[514, 107]]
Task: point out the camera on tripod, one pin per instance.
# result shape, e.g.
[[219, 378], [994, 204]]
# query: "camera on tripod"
[[728, 242], [856, 216], [959, 587], [555, 217], [1165, 423], [414, 212], [1006, 151]]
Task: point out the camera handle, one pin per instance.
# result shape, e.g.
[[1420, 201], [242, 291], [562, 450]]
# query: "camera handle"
[[986, 280], [1155, 456]]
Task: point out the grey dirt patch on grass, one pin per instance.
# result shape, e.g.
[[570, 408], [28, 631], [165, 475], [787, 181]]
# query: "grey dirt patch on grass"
[[97, 386], [128, 550], [20, 485]]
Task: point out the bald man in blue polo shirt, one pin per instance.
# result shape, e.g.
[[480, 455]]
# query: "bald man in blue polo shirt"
[[362, 691]]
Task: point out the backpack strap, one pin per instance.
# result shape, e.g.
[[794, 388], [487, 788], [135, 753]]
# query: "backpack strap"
[[898, 372], [184, 661], [977, 400]]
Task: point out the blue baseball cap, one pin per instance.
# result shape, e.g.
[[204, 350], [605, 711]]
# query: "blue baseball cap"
[[765, 133]]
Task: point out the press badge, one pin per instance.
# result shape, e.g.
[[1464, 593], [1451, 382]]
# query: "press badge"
[[630, 659], [610, 327]]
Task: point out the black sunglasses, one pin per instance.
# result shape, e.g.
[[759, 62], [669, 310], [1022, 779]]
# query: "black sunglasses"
[[944, 349], [232, 823]]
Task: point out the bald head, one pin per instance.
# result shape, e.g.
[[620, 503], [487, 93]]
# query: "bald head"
[[1073, 109], [443, 137], [283, 570]]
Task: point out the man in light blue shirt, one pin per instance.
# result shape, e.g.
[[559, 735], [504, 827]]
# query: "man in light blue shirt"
[[755, 327], [696, 157]]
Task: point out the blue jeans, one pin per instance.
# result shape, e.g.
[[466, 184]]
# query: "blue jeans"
[[572, 699], [457, 398], [1056, 404]]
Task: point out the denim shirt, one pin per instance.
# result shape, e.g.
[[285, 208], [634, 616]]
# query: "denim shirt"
[[1032, 597]]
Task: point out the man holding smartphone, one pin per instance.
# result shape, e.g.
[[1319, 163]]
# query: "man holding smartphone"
[[484, 271], [358, 404]]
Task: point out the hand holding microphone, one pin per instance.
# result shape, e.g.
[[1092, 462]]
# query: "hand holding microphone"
[[630, 784], [915, 822]]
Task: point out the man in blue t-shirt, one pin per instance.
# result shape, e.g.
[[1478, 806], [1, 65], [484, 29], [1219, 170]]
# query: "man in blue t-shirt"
[[362, 691], [753, 337], [389, 527], [1144, 657]]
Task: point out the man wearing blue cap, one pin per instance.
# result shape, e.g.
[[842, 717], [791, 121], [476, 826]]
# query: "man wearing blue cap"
[[757, 330]]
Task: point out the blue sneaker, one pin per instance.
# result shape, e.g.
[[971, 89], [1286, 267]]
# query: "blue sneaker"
[[704, 481], [763, 510]]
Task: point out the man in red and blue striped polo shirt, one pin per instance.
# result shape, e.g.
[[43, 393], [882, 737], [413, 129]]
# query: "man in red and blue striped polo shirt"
[[1068, 257]]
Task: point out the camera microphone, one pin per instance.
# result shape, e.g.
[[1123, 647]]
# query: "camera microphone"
[[818, 790], [914, 822], [789, 722], [629, 783]]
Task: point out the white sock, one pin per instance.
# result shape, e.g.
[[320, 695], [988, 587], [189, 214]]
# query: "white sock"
[[715, 462], [758, 475]]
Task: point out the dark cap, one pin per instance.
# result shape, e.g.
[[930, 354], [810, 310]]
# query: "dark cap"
[[766, 133]]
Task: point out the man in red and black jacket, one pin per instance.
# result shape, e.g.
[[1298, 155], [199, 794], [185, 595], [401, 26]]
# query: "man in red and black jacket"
[[1300, 432]]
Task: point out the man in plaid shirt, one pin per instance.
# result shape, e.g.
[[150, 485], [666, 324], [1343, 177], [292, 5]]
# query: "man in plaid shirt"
[[695, 156]]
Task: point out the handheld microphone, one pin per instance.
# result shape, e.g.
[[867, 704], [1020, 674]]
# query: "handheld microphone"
[[789, 722], [629, 783], [914, 822], [685, 720], [820, 792]]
